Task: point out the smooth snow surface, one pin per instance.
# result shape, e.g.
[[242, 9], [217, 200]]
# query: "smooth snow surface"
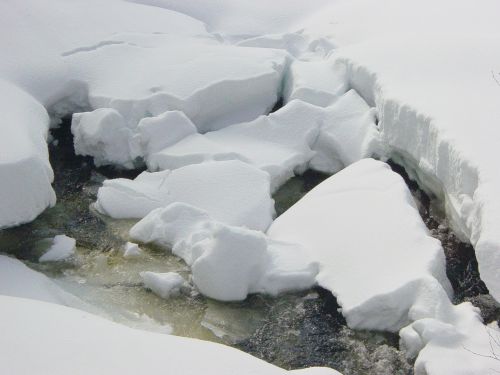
[[81, 343], [231, 191], [131, 250], [227, 262], [62, 248], [374, 251]]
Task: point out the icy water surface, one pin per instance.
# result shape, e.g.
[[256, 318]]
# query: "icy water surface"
[[292, 331]]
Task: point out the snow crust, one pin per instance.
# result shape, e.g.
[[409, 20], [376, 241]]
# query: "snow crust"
[[81, 343], [231, 191], [62, 248], [131, 250], [227, 262]]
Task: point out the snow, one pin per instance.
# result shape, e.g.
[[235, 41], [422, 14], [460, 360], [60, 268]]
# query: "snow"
[[131, 250], [227, 262], [18, 280], [279, 144], [230, 191], [62, 248], [348, 134], [165, 285], [359, 224], [81, 343]]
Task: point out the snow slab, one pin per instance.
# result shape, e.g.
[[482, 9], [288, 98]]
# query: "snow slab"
[[81, 343], [62, 248], [227, 262], [279, 143], [286, 142], [231, 191], [164, 285], [374, 251]]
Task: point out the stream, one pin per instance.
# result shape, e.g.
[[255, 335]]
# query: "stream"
[[292, 331]]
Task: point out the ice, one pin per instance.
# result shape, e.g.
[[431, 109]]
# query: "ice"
[[165, 285], [374, 251], [279, 144], [131, 250], [230, 191], [62, 248], [67, 331], [227, 262]]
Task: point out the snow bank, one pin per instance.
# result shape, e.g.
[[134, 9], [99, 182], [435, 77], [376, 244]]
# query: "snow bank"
[[81, 343], [165, 285], [25, 173], [62, 248], [279, 144], [374, 251], [227, 262], [230, 191]]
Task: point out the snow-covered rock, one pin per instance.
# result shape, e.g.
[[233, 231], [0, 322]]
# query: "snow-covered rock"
[[230, 191], [131, 250], [227, 262], [62, 248], [81, 343], [279, 144], [374, 251], [164, 285]]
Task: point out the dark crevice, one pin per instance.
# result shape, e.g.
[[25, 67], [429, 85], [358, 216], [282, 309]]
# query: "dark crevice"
[[278, 105], [461, 263]]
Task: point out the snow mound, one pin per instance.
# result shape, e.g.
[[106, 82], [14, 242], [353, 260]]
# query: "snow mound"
[[279, 144], [67, 331], [164, 285], [374, 251], [62, 248], [227, 262], [230, 191]]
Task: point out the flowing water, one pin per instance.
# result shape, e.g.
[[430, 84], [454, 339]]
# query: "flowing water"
[[293, 331]]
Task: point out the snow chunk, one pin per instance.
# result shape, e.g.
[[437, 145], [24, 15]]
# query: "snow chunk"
[[374, 251], [104, 135], [131, 250], [348, 134], [227, 262], [279, 144], [67, 331], [230, 191], [164, 285], [62, 248]]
